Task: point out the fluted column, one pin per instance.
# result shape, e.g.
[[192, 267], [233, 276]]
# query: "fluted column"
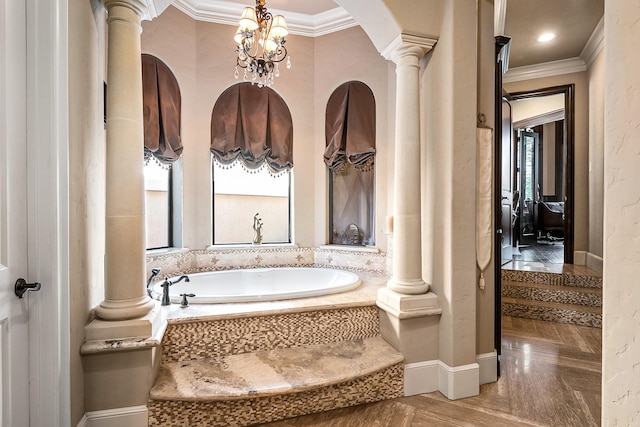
[[125, 294], [407, 52]]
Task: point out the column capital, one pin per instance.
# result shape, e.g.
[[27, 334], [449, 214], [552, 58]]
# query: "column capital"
[[408, 45], [140, 7]]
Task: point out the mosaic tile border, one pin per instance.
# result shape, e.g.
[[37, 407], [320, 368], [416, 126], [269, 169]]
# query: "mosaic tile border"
[[556, 279], [221, 337], [552, 314], [196, 261], [563, 296], [382, 385]]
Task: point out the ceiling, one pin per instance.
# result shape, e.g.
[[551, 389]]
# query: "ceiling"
[[573, 22]]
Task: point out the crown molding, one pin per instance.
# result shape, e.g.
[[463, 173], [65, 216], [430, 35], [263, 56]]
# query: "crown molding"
[[546, 69], [155, 8], [594, 45], [228, 13]]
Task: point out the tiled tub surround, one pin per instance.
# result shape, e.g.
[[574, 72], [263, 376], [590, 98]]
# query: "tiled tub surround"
[[185, 262], [321, 352]]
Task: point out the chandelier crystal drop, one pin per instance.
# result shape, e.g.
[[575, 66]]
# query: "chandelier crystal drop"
[[260, 40]]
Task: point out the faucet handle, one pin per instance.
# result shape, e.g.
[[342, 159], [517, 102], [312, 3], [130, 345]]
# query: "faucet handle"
[[185, 302]]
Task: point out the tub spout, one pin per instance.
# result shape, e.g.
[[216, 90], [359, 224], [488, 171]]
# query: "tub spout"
[[165, 289]]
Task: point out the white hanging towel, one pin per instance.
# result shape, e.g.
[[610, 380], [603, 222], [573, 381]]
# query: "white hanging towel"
[[484, 181]]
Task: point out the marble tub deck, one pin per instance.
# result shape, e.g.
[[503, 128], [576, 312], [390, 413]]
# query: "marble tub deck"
[[363, 295]]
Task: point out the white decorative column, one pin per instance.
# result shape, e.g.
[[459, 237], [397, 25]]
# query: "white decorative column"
[[122, 345], [406, 52], [125, 293]]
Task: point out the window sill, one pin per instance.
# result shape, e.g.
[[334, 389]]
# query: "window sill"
[[251, 246], [167, 251], [369, 249]]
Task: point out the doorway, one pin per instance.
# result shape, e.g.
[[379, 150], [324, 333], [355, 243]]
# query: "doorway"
[[537, 175]]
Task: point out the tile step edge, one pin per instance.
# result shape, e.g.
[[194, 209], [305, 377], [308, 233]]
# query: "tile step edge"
[[203, 380]]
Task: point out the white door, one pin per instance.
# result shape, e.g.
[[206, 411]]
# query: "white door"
[[14, 312]]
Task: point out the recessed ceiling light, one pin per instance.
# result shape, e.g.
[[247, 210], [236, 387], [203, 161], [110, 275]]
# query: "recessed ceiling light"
[[546, 37]]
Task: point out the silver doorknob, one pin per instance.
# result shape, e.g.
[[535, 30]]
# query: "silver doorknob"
[[22, 286]]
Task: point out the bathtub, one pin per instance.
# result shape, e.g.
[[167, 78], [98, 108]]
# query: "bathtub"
[[260, 284]]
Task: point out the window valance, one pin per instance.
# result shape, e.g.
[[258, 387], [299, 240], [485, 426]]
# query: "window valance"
[[350, 127], [161, 102], [252, 124]]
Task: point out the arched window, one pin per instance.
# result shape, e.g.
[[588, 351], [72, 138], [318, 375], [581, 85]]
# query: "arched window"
[[252, 158], [162, 150], [350, 131]]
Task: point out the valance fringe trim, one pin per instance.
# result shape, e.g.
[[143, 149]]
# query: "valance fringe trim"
[[239, 162]]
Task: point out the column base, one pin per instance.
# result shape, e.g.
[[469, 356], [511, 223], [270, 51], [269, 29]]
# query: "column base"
[[144, 326], [125, 309], [410, 324], [121, 352], [405, 306], [408, 287]]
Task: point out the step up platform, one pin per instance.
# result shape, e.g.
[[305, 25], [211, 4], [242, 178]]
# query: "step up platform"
[[553, 312], [550, 278], [264, 386], [590, 297], [572, 295]]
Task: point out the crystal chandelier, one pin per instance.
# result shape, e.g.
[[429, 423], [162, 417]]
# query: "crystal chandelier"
[[260, 40]]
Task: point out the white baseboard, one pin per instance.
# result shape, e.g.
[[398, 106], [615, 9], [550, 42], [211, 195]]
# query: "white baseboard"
[[420, 377], [134, 416], [579, 257], [594, 262], [455, 383], [488, 363], [460, 381]]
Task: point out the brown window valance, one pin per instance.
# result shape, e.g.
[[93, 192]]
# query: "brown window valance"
[[162, 103], [252, 124], [350, 127]]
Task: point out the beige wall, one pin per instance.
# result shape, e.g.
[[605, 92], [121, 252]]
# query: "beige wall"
[[533, 107], [485, 300], [86, 180], [581, 175], [202, 57], [596, 155], [621, 299], [448, 165]]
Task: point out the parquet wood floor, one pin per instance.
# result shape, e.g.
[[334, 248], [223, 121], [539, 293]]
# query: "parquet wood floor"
[[550, 377]]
